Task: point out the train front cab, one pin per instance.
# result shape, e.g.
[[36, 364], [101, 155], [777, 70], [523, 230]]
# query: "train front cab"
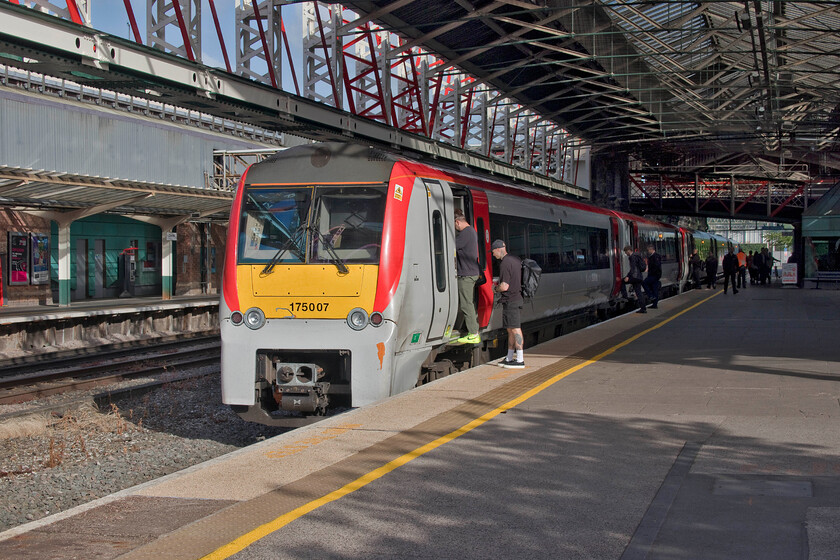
[[334, 294]]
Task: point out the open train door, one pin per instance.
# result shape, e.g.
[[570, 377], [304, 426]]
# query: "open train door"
[[474, 204], [444, 296]]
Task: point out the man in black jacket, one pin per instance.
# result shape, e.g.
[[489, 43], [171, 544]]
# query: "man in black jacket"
[[652, 282], [730, 269], [634, 277]]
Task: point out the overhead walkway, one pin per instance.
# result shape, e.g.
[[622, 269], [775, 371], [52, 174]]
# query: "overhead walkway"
[[705, 429]]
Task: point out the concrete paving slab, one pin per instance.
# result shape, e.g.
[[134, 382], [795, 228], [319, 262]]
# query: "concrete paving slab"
[[823, 536]]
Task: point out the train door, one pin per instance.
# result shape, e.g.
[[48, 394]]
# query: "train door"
[[633, 235], [616, 257], [477, 211], [442, 246]]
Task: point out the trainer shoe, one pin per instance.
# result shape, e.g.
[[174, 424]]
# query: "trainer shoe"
[[512, 364], [470, 339]]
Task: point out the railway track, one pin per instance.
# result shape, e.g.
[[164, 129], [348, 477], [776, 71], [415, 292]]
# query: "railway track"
[[34, 378]]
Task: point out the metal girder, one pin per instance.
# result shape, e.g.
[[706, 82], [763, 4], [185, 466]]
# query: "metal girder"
[[77, 11], [663, 81], [53, 47], [182, 20], [719, 196], [259, 40]]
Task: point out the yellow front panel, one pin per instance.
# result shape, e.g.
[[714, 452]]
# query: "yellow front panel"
[[307, 291]]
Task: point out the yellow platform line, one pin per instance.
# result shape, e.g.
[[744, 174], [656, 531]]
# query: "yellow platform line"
[[266, 529]]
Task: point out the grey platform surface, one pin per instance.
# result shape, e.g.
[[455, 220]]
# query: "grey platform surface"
[[713, 436], [705, 429]]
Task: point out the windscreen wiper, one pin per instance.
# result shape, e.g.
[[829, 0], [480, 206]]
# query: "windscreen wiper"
[[289, 244], [334, 258]]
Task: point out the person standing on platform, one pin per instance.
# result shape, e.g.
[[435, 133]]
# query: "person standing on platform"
[[742, 268], [466, 265], [751, 268], [711, 272], [730, 269], [652, 282], [758, 261], [767, 261], [510, 290], [695, 264], [634, 277]]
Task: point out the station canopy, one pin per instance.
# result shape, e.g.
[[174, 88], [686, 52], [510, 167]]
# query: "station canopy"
[[27, 189], [739, 88], [745, 87]]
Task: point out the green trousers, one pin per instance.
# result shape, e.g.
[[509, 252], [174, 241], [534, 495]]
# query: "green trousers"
[[466, 302]]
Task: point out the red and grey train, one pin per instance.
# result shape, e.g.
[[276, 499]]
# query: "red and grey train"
[[339, 280]]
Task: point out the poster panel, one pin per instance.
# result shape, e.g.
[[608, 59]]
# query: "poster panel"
[[789, 271], [40, 263], [18, 258]]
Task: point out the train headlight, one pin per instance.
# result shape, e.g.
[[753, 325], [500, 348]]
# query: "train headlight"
[[357, 319], [236, 318], [254, 318]]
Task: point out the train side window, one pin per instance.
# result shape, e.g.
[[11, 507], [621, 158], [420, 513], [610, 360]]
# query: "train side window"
[[552, 249], [536, 244], [516, 239], [437, 247]]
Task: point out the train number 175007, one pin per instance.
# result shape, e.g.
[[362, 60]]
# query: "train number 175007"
[[304, 306]]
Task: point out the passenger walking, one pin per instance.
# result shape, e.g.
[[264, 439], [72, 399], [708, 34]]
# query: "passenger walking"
[[695, 265], [742, 268], [711, 272], [634, 277], [730, 269], [466, 265], [652, 281], [510, 290]]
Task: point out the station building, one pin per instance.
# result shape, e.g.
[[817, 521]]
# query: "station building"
[[130, 197]]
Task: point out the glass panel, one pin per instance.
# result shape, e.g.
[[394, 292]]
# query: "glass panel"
[[482, 254], [536, 244], [349, 219], [516, 241], [552, 249], [346, 224], [271, 220], [440, 262]]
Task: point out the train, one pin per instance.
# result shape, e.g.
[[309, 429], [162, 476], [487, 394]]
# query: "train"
[[339, 285]]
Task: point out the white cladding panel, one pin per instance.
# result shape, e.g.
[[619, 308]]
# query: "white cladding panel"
[[41, 132]]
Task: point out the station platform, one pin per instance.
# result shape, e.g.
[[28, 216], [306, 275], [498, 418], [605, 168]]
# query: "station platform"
[[707, 428], [37, 329], [93, 307]]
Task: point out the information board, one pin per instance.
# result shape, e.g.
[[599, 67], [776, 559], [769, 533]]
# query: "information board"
[[789, 272]]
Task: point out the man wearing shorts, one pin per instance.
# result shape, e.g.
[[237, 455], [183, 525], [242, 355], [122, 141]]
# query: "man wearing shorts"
[[509, 289]]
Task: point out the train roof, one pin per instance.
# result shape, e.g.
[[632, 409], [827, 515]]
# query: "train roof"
[[344, 163]]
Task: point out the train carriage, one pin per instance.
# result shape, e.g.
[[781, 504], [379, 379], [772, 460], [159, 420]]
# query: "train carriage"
[[339, 284]]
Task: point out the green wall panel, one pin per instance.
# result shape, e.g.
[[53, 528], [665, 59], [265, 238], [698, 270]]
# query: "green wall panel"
[[118, 233]]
